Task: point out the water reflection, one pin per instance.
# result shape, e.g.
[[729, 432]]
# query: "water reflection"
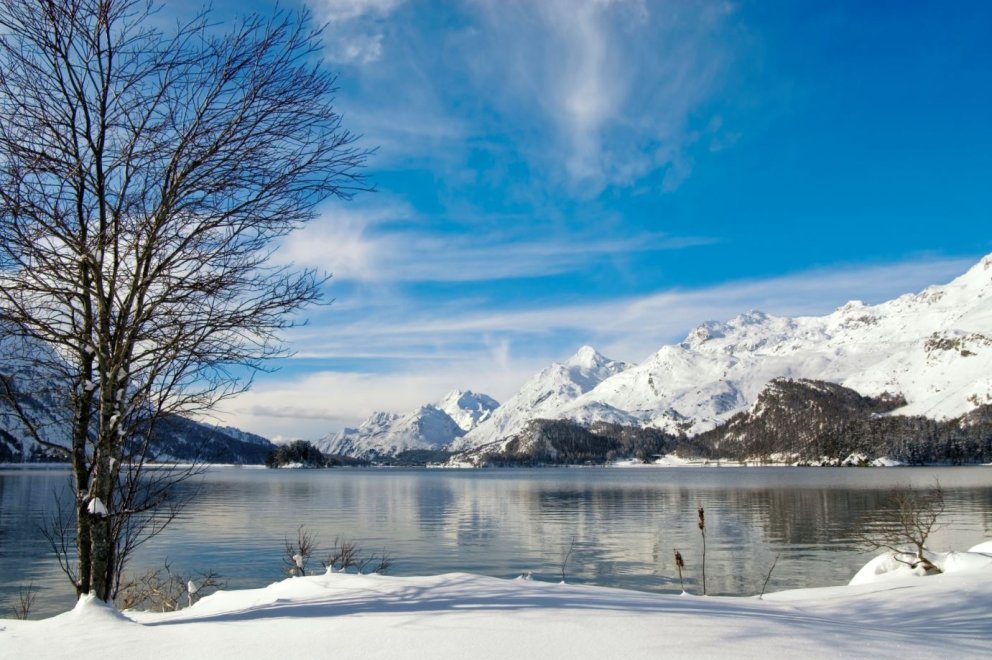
[[625, 524]]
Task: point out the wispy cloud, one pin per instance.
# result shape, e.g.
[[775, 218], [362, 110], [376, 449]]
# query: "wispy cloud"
[[634, 326], [364, 244], [593, 92], [618, 81], [337, 11]]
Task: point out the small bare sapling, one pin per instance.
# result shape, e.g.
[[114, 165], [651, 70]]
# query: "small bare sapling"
[[25, 601], [768, 576], [912, 516]]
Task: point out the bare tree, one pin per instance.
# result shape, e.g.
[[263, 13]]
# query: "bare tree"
[[25, 601], [909, 520], [345, 554], [299, 551], [145, 180], [375, 563]]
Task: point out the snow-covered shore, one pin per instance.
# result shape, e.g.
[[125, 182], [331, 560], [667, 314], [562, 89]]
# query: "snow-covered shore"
[[884, 613]]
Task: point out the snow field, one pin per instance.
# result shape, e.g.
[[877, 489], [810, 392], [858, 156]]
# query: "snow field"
[[886, 612]]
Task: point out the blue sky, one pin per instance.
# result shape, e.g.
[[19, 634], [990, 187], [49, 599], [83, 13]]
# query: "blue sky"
[[557, 173]]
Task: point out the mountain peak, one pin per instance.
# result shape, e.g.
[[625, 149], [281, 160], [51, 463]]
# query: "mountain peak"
[[467, 408], [979, 275], [587, 357], [751, 317]]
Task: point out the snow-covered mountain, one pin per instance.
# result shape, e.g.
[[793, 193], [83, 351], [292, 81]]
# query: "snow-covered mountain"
[[933, 348], [544, 395], [430, 427]]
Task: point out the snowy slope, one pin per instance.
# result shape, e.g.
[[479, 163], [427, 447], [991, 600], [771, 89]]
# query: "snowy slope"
[[387, 434], [432, 427], [887, 612], [544, 395], [241, 436]]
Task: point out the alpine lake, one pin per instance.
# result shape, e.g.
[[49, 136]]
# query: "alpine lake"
[[622, 525]]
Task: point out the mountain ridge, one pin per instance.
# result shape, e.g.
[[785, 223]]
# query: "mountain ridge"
[[432, 427], [931, 349]]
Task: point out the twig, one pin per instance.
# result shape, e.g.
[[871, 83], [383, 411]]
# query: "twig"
[[768, 576], [566, 554]]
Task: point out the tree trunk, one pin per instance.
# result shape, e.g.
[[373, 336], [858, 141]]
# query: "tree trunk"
[[84, 544], [103, 487], [102, 561]]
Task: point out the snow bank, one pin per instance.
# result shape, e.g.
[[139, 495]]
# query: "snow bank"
[[886, 567], [984, 547], [885, 461], [629, 463], [672, 460], [469, 616]]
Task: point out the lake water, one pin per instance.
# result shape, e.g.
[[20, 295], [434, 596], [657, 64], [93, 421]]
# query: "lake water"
[[625, 523]]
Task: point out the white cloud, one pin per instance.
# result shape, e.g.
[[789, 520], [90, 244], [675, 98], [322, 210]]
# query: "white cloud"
[[343, 241], [323, 402], [360, 48], [337, 11], [618, 81], [355, 34]]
